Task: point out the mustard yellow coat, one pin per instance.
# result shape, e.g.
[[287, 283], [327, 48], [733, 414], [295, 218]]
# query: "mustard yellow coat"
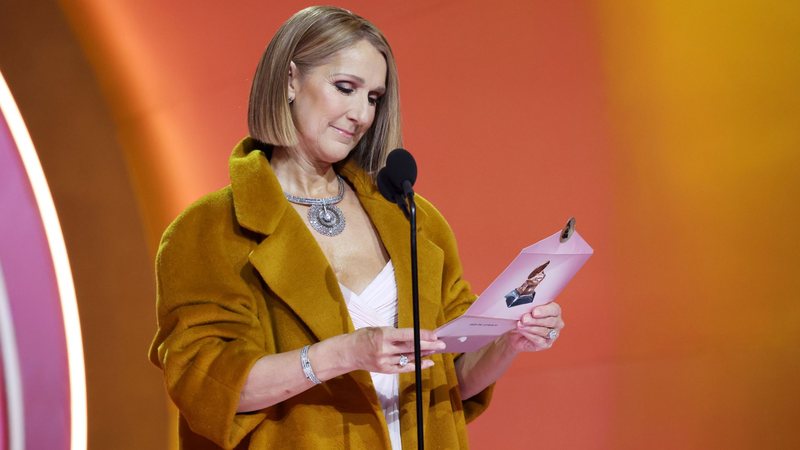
[[239, 276]]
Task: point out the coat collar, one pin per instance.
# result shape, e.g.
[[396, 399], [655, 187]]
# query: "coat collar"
[[257, 201]]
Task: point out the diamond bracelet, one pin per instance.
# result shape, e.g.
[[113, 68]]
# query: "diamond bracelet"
[[306, 365]]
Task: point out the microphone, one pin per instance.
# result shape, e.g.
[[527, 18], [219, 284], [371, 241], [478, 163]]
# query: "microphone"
[[396, 179]]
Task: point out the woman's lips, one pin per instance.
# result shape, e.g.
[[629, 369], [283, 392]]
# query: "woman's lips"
[[345, 133]]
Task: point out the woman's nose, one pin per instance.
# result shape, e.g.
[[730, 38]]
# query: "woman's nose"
[[361, 110]]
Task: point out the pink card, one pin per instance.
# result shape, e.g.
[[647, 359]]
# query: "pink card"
[[535, 277]]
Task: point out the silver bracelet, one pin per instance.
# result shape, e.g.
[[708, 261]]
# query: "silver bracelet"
[[306, 365]]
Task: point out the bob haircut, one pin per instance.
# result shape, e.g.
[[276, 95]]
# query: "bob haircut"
[[309, 39]]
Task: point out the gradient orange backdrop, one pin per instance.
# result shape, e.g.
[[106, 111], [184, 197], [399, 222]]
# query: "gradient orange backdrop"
[[671, 130]]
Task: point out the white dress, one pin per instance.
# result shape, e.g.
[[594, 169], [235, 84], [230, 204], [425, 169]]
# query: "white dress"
[[376, 306]]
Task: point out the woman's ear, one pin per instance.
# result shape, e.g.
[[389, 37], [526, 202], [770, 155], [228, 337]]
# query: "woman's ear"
[[294, 82]]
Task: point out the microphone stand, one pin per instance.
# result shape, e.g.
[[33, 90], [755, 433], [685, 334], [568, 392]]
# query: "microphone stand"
[[411, 213]]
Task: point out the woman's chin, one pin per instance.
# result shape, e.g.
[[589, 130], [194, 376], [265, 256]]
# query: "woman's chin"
[[336, 153]]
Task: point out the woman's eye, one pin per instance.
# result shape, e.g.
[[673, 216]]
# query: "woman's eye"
[[347, 89], [344, 89]]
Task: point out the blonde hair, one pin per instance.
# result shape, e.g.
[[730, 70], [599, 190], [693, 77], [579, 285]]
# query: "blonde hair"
[[309, 38]]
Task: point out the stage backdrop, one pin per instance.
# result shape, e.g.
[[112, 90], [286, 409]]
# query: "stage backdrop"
[[668, 129]]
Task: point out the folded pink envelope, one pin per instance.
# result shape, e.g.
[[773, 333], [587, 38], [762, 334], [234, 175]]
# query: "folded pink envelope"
[[535, 277]]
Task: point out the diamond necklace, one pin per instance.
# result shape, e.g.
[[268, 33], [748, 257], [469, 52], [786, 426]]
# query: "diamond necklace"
[[323, 215]]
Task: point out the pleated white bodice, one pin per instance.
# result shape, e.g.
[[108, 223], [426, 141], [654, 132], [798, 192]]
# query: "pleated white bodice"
[[376, 306]]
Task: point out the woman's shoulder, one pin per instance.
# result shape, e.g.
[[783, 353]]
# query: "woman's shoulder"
[[428, 206], [435, 223], [205, 215], [205, 232]]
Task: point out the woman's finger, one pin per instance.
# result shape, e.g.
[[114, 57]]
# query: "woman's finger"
[[531, 335], [410, 367], [537, 330], [535, 339], [407, 334], [402, 340], [402, 363], [550, 322], [424, 346], [552, 309]]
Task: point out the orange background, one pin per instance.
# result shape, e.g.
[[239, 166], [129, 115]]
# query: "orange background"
[[671, 130]]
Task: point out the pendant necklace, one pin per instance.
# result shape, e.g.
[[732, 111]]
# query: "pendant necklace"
[[324, 216]]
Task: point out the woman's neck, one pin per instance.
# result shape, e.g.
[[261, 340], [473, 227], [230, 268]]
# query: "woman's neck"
[[301, 177]]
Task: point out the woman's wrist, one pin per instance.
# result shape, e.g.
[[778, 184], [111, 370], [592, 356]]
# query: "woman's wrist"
[[505, 347], [308, 369], [329, 358]]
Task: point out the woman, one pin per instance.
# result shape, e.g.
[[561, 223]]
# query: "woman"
[[284, 299]]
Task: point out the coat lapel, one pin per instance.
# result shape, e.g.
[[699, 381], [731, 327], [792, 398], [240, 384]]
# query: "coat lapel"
[[288, 258], [295, 269], [393, 229]]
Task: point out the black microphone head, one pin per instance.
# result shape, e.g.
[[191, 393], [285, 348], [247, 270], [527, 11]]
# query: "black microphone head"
[[400, 167], [385, 186]]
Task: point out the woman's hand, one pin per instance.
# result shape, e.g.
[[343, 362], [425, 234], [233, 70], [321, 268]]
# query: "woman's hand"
[[276, 377], [390, 350], [537, 330]]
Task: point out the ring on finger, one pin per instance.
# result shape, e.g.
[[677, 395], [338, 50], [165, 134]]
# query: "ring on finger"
[[552, 334], [403, 361]]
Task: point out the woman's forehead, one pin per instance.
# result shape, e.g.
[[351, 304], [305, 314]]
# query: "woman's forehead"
[[361, 61]]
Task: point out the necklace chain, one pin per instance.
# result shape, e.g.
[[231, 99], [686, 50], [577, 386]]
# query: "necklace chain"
[[323, 216], [309, 201]]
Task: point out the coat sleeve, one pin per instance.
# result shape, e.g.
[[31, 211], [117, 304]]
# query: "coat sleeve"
[[457, 295], [209, 330]]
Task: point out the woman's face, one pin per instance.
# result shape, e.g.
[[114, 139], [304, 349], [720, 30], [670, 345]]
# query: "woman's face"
[[335, 103]]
